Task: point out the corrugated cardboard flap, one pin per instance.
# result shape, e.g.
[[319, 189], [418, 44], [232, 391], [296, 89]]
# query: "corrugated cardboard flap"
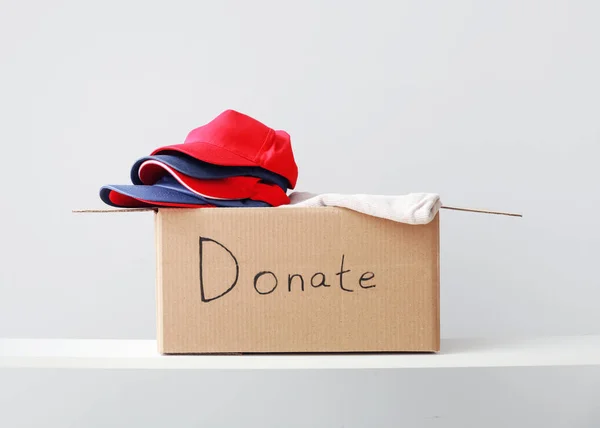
[[113, 210], [128, 210]]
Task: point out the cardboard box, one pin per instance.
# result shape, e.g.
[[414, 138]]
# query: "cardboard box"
[[293, 280]]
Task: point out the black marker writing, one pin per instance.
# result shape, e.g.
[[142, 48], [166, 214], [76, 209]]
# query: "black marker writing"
[[367, 276], [341, 274], [319, 284], [291, 277], [265, 282], [257, 277], [237, 270]]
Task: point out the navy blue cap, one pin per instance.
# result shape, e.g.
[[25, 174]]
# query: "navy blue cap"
[[191, 167]]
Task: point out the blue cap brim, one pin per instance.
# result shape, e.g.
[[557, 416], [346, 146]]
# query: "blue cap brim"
[[168, 190]]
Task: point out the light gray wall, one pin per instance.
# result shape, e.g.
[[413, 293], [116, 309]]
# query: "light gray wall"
[[491, 104]]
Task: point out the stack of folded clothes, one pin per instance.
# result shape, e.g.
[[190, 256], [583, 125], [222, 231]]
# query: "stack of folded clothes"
[[233, 161]]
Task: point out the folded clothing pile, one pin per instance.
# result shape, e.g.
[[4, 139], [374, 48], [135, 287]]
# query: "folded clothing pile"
[[233, 161]]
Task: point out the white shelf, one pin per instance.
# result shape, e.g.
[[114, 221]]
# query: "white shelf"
[[142, 354]]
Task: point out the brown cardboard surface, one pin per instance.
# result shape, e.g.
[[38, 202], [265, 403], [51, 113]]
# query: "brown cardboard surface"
[[201, 253]]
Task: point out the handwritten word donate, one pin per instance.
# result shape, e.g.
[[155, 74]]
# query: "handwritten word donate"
[[266, 282]]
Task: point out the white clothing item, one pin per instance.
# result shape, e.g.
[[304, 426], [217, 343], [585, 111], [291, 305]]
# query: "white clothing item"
[[413, 208]]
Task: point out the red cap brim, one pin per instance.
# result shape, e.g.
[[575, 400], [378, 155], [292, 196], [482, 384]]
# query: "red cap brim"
[[125, 201]]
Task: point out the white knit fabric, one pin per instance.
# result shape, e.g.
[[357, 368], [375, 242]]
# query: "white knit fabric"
[[413, 208]]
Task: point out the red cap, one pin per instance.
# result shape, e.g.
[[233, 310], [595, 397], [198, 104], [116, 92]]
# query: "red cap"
[[234, 139]]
